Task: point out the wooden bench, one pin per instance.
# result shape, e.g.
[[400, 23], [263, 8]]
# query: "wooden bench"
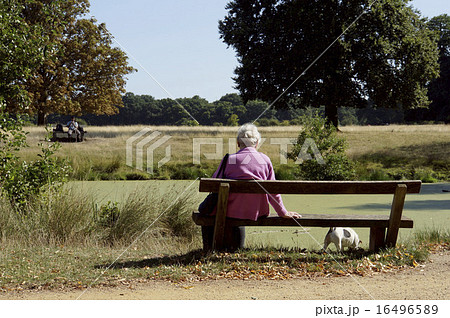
[[378, 224], [59, 134]]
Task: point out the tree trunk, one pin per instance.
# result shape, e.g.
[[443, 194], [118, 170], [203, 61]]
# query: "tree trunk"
[[332, 98], [42, 119], [331, 114]]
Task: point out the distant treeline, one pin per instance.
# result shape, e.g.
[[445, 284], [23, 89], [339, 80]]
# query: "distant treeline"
[[229, 110]]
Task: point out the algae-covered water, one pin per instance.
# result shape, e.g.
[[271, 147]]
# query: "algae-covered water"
[[429, 209]]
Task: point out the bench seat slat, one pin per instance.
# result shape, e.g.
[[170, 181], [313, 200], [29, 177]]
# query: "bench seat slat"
[[309, 187], [319, 220]]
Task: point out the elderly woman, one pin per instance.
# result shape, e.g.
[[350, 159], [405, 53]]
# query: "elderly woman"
[[249, 164]]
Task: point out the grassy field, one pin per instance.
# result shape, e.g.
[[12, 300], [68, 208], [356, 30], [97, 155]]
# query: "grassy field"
[[381, 152]]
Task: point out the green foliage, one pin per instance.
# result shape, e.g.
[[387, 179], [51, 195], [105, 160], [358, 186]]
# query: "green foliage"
[[439, 89], [136, 176], [26, 180], [267, 122], [186, 122], [108, 214], [77, 70], [184, 171], [22, 49], [21, 180], [348, 116], [12, 136], [229, 109], [233, 120], [285, 172], [146, 110], [371, 172], [316, 132]]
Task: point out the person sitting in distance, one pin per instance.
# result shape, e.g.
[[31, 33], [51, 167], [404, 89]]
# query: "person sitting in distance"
[[73, 127], [249, 164]]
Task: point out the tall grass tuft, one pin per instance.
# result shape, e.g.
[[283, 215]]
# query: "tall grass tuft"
[[58, 217], [177, 215], [432, 235], [132, 217], [72, 217]]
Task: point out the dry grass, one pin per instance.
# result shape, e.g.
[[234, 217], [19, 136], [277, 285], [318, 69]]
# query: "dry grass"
[[394, 138], [105, 148], [109, 142]]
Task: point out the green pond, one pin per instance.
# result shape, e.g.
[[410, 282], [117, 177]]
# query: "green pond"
[[429, 209]]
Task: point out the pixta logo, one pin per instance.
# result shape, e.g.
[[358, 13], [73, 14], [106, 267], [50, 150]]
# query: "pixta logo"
[[143, 145], [309, 147]]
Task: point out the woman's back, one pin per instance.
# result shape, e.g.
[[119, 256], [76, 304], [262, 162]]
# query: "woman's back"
[[249, 164]]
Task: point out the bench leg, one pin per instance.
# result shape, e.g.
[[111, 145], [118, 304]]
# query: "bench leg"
[[221, 215], [207, 238], [396, 215], [376, 241], [234, 238]]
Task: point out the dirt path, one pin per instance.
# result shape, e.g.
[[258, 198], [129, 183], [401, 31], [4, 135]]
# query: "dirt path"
[[428, 281]]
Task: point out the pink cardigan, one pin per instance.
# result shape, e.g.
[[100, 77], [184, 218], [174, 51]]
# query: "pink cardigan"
[[250, 164]]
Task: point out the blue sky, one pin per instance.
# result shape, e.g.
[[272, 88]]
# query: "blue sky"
[[175, 44]]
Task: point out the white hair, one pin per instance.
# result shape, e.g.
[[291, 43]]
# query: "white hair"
[[248, 136]]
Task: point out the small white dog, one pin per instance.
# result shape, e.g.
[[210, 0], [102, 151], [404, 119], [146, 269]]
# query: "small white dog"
[[341, 237]]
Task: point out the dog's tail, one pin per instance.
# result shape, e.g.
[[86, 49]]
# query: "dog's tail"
[[331, 230]]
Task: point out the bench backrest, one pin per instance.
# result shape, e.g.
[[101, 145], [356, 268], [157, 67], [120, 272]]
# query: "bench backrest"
[[309, 187]]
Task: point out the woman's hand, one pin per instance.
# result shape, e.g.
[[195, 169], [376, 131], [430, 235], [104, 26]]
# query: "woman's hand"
[[294, 215]]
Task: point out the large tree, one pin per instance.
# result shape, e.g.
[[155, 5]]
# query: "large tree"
[[22, 49], [386, 57], [82, 72], [439, 89]]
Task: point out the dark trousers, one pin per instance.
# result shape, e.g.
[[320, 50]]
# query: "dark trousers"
[[234, 237]]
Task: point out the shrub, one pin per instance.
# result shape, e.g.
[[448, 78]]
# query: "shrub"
[[26, 180], [372, 172], [347, 116], [183, 171], [425, 175], [268, 122], [233, 120], [23, 180], [136, 176], [319, 138], [285, 172], [108, 214], [64, 215]]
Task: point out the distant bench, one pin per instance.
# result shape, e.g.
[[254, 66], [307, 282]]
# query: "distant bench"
[[378, 224], [63, 136]]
